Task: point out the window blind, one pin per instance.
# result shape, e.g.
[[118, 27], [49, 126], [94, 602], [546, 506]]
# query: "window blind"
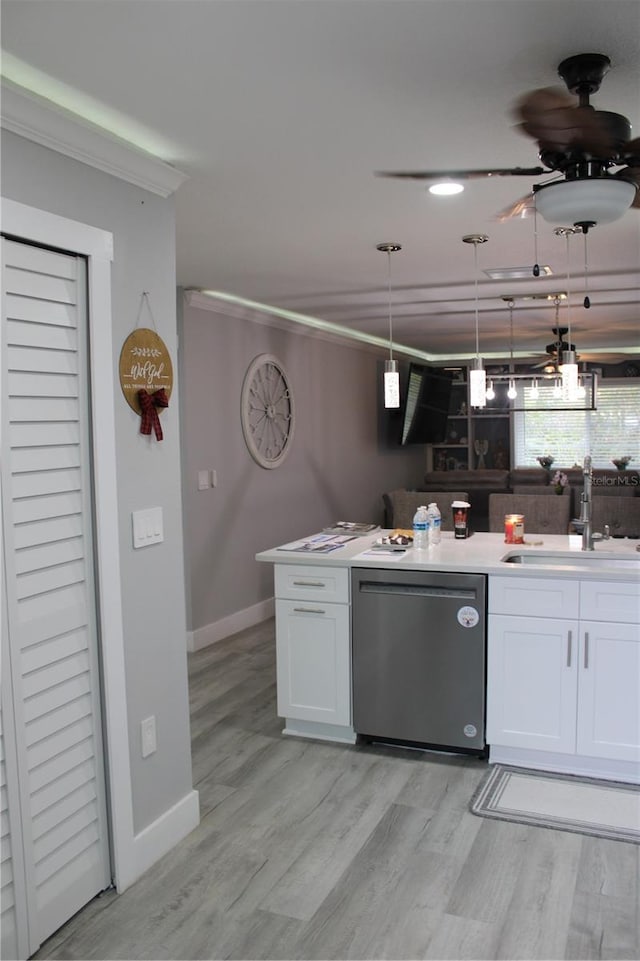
[[611, 431]]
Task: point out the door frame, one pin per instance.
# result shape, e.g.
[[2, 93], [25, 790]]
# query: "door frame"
[[30, 224]]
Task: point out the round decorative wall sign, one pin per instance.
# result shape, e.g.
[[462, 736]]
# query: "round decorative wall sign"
[[267, 411], [145, 364]]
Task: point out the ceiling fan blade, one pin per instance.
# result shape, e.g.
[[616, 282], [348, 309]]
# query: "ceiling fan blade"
[[524, 207], [463, 174], [552, 118]]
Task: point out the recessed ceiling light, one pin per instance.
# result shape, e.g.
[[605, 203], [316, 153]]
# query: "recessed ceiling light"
[[446, 188], [516, 273]]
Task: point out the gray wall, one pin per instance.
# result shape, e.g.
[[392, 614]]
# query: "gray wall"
[[337, 468], [148, 472]]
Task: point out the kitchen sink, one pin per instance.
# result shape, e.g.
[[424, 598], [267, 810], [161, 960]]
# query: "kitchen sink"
[[586, 559]]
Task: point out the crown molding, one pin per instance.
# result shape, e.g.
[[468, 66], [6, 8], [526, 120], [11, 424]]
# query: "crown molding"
[[42, 121], [257, 313]]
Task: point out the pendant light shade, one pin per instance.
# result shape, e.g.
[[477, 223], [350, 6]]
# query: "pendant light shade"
[[477, 374], [477, 384], [569, 373], [391, 384], [391, 373]]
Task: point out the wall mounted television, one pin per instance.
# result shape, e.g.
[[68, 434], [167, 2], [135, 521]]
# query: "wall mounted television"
[[425, 406]]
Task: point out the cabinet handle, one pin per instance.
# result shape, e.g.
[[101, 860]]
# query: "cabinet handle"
[[586, 650], [308, 610], [308, 584], [569, 638]]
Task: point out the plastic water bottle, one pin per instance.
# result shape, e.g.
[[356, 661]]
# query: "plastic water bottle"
[[435, 526], [421, 529]]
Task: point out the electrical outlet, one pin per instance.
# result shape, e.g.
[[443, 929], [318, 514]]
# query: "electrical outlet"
[[148, 735]]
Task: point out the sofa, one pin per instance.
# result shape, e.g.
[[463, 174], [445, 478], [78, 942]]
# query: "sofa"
[[621, 510]]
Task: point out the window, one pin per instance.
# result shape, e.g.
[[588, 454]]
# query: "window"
[[611, 431]]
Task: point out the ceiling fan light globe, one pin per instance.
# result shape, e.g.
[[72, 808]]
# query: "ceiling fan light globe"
[[446, 188], [598, 200]]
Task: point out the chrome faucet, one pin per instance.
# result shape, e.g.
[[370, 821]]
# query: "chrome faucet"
[[588, 535], [585, 506]]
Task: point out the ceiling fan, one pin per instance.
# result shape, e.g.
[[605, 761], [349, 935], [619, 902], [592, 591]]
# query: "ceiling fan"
[[576, 141], [554, 354], [554, 351]]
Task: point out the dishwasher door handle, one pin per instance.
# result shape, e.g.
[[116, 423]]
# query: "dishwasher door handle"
[[418, 590]]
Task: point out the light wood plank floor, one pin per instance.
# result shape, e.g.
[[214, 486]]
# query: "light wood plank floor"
[[314, 850]]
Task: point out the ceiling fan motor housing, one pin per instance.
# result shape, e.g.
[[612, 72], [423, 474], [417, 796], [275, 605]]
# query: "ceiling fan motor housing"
[[584, 73]]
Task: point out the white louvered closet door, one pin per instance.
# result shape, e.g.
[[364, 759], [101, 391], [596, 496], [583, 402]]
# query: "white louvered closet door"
[[55, 852]]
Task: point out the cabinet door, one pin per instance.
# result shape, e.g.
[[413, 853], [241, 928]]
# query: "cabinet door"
[[313, 661], [609, 691], [532, 683]]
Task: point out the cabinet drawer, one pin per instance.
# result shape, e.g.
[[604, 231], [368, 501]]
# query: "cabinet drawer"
[[533, 596], [610, 601], [302, 581]]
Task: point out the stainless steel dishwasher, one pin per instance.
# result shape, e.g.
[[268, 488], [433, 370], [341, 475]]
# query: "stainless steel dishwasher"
[[419, 642]]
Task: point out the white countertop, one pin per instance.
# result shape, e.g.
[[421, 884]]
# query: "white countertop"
[[482, 553]]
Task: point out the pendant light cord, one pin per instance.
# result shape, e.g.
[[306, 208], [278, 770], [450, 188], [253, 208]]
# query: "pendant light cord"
[[475, 271], [389, 249], [587, 300], [389, 291], [511, 335], [568, 293]]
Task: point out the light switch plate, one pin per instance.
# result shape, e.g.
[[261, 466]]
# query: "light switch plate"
[[147, 527], [203, 480], [148, 736]]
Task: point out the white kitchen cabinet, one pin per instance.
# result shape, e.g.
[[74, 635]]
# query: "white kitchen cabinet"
[[531, 687], [609, 684], [313, 651], [564, 693]]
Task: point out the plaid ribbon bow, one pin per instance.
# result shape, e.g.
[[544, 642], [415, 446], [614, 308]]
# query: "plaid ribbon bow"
[[148, 405]]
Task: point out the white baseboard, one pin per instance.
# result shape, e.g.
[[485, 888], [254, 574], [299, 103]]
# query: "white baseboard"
[[159, 838], [226, 626]]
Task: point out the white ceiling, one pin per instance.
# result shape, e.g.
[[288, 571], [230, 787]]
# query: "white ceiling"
[[280, 111]]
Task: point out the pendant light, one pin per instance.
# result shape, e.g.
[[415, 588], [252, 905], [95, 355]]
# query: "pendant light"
[[477, 375], [569, 366], [391, 373]]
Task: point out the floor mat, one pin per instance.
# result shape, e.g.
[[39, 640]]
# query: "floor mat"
[[605, 809]]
